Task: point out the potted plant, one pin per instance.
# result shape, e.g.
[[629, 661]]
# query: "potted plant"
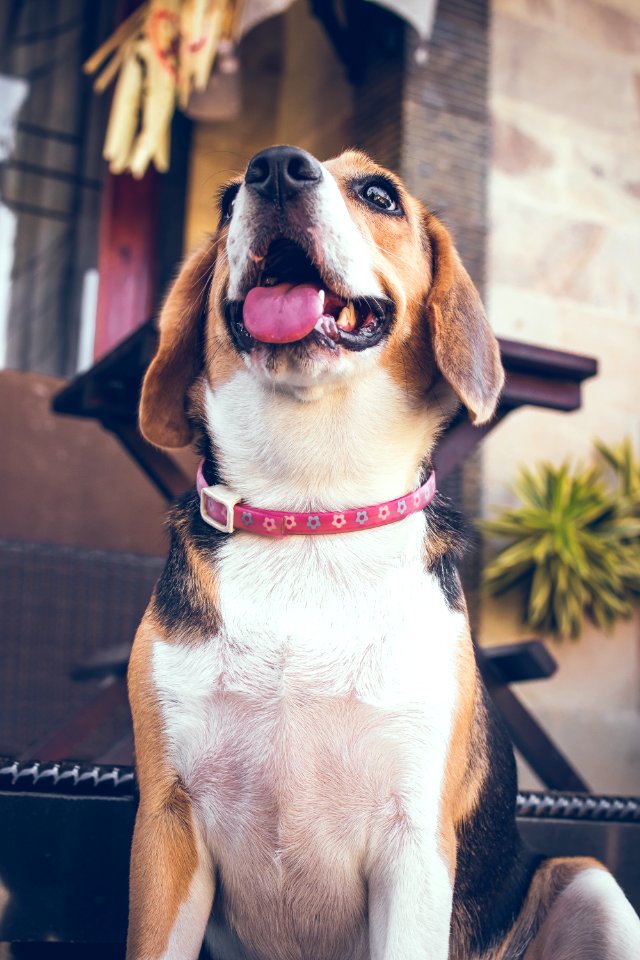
[[573, 542]]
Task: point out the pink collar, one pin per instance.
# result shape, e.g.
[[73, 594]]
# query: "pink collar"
[[222, 509]]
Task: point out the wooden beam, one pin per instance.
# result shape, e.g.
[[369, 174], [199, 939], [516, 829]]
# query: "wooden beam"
[[531, 740], [127, 257], [515, 662], [127, 247], [161, 469]]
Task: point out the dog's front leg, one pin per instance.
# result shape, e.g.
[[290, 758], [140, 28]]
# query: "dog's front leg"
[[172, 885], [410, 898], [172, 877]]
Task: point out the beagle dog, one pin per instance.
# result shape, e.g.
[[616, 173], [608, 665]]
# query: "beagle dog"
[[322, 775]]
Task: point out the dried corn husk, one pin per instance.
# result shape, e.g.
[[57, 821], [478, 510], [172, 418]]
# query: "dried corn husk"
[[128, 30], [158, 104], [163, 52], [123, 119]]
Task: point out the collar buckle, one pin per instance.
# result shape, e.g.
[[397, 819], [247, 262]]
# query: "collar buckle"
[[216, 507]]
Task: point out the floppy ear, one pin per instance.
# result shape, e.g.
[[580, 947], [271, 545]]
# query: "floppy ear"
[[465, 349], [178, 360]]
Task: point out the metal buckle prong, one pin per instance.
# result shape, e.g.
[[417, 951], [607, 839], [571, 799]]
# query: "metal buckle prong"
[[221, 495]]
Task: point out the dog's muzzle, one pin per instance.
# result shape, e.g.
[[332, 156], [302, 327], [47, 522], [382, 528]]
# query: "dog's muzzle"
[[290, 290]]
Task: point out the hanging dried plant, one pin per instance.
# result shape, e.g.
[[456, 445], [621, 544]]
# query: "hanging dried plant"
[[574, 543], [165, 50]]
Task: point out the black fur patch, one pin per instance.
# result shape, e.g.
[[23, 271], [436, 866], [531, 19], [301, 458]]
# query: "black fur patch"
[[494, 868], [447, 541], [180, 602], [207, 452], [445, 570]]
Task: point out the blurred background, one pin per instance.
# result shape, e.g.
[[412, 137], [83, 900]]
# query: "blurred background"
[[516, 121]]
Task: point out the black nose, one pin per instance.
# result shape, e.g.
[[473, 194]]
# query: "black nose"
[[281, 173]]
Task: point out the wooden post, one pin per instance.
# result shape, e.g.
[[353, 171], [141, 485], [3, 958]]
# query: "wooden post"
[[127, 248], [127, 256]]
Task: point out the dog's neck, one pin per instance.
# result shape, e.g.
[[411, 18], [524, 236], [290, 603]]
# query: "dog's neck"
[[361, 443]]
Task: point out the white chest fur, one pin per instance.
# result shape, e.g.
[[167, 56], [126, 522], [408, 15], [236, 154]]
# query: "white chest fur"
[[344, 616], [323, 617], [319, 717]]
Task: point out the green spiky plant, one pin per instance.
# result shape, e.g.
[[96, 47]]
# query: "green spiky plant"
[[574, 543]]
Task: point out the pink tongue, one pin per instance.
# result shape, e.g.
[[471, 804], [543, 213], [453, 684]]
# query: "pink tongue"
[[284, 313]]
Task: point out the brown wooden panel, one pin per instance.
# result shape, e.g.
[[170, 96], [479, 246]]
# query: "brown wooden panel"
[[540, 390], [127, 257]]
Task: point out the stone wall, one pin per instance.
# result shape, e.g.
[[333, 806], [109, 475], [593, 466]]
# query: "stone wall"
[[564, 271], [445, 135]]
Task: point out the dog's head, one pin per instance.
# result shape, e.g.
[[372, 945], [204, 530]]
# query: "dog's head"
[[317, 270]]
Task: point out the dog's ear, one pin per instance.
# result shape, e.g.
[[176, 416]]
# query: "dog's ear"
[[465, 349], [178, 360]]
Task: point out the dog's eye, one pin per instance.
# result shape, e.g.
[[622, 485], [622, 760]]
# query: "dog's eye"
[[381, 196], [227, 202]]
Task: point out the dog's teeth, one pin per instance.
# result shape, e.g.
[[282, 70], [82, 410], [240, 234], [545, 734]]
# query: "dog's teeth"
[[270, 281], [347, 318]]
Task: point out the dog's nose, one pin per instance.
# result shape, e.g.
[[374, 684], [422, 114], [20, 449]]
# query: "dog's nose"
[[282, 172]]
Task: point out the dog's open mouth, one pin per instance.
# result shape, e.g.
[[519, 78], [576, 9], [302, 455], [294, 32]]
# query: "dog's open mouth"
[[291, 303]]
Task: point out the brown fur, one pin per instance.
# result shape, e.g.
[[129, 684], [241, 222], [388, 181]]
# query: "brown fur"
[[465, 350], [164, 855], [466, 764], [419, 268], [189, 342], [164, 421]]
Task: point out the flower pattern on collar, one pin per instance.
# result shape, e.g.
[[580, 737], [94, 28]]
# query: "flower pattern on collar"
[[224, 510]]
